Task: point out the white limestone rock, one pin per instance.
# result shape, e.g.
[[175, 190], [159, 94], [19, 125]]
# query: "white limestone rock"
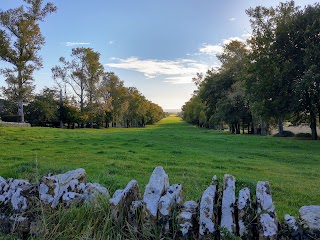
[[122, 199], [264, 198], [154, 190], [92, 190], [168, 203], [52, 188], [207, 217], [228, 202], [310, 219], [267, 220], [244, 211], [290, 221], [187, 219], [10, 193], [171, 199]]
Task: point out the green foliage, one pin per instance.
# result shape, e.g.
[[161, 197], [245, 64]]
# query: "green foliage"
[[268, 79], [20, 42]]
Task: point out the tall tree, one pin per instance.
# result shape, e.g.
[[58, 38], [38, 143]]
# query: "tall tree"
[[301, 43], [269, 86], [20, 42], [82, 74], [116, 94]]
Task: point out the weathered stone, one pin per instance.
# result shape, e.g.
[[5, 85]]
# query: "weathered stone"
[[291, 229], [187, 220], [244, 213], [136, 215], [267, 218], [310, 219], [11, 192], [156, 187], [207, 216], [290, 221], [52, 188], [92, 190], [228, 202], [168, 203], [122, 199], [14, 223]]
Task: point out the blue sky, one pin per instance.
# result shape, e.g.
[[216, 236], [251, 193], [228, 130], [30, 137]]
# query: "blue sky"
[[156, 46]]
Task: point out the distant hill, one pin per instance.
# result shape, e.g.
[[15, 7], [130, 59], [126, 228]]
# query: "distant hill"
[[172, 110]]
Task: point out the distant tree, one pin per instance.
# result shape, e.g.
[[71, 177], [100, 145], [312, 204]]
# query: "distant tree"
[[44, 108], [116, 94], [82, 74], [20, 42]]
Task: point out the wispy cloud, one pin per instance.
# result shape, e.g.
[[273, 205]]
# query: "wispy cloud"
[[211, 49], [179, 71], [216, 49], [70, 44], [232, 19]]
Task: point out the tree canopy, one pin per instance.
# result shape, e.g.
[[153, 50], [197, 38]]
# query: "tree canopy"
[[272, 77], [20, 42]]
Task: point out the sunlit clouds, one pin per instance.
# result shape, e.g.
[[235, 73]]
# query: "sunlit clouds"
[[179, 71]]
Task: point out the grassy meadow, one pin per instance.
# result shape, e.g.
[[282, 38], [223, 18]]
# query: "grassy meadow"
[[189, 155]]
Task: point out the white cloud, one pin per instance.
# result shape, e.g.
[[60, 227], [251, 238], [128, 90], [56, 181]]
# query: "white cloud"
[[217, 49], [179, 71], [211, 49], [70, 44], [232, 19], [246, 35]]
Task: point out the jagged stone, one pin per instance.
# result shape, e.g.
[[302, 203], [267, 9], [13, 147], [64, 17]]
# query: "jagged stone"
[[228, 202], [267, 218], [11, 193], [168, 203], [187, 220], [207, 216], [136, 214], [156, 187], [291, 229], [244, 213], [290, 221], [92, 190], [122, 199], [310, 219], [53, 188]]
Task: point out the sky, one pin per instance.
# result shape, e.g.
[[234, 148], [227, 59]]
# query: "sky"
[[156, 46]]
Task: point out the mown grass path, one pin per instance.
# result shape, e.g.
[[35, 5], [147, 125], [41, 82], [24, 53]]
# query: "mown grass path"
[[189, 155]]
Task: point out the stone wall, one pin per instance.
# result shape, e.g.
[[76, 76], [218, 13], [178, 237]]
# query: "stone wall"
[[219, 213], [14, 124]]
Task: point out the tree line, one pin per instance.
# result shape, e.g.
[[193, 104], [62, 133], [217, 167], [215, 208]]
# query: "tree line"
[[272, 77], [97, 98]]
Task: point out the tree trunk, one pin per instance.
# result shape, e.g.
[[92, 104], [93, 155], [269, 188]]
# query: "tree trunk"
[[237, 128], [20, 109], [280, 126], [313, 125], [61, 109], [254, 126], [263, 128]]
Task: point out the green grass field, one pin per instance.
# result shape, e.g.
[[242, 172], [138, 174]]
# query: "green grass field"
[[189, 155]]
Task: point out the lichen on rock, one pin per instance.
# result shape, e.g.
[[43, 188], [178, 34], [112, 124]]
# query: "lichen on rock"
[[156, 187], [207, 217]]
